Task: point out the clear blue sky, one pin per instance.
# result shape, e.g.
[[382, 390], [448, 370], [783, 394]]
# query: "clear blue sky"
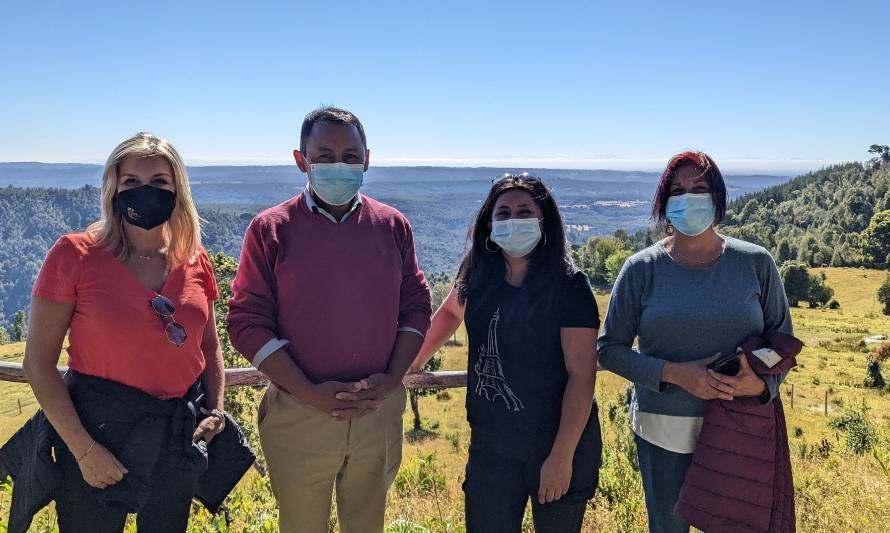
[[759, 85]]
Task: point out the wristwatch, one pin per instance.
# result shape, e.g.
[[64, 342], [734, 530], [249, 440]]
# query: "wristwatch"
[[218, 415]]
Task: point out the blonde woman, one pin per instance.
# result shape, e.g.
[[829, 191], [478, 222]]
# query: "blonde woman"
[[135, 293]]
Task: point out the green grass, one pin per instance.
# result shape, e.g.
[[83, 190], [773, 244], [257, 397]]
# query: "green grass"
[[12, 352], [835, 490], [14, 394], [838, 493]]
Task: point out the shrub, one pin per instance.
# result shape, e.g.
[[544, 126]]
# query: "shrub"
[[883, 352], [796, 279], [419, 476], [801, 285], [613, 411], [884, 294], [240, 402], [614, 263], [843, 421], [860, 435], [819, 293], [824, 448], [404, 526], [620, 489], [873, 377]]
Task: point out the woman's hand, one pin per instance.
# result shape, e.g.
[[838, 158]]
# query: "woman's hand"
[[556, 474], [207, 429], [694, 378], [745, 383], [100, 468]]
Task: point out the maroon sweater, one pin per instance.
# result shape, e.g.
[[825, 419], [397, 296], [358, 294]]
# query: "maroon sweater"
[[338, 292], [740, 477]]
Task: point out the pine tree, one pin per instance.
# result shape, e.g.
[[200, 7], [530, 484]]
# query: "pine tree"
[[884, 294], [784, 252], [876, 238], [836, 258], [18, 326]]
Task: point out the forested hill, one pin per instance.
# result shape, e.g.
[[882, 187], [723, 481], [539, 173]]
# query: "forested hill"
[[32, 219], [837, 216]]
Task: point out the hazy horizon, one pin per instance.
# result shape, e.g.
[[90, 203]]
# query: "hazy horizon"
[[765, 167]]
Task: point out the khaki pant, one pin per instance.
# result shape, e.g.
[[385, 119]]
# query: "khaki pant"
[[309, 452]]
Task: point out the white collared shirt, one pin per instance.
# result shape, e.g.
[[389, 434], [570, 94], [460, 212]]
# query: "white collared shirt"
[[318, 210]]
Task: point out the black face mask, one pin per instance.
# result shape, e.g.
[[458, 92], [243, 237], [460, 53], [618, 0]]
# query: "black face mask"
[[146, 207]]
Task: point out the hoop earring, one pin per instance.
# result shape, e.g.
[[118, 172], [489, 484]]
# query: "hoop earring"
[[496, 247], [669, 229], [545, 239]]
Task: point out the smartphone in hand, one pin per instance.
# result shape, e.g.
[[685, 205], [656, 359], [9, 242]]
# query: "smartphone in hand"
[[728, 365]]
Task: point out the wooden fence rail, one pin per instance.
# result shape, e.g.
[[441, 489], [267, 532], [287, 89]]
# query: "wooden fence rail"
[[251, 377]]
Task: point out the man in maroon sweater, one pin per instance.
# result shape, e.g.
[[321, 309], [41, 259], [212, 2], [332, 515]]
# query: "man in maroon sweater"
[[330, 303]]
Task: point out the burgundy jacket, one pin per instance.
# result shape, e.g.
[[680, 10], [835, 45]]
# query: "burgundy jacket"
[[740, 477]]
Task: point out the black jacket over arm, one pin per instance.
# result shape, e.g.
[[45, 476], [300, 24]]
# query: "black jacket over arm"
[[139, 423]]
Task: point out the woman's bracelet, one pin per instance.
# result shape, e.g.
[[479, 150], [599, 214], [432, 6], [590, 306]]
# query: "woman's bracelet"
[[217, 414], [84, 456]]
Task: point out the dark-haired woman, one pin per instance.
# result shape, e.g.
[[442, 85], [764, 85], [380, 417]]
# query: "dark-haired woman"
[[687, 299], [531, 322]]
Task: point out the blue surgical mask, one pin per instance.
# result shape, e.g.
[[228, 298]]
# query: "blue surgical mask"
[[517, 237], [691, 214], [336, 183]]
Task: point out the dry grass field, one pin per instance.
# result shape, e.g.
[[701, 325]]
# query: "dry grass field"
[[837, 490]]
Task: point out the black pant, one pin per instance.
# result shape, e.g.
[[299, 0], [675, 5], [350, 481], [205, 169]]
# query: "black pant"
[[172, 484], [167, 511], [498, 487]]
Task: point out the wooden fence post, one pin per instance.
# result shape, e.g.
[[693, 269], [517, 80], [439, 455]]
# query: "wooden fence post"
[[19, 401], [826, 402], [792, 395]]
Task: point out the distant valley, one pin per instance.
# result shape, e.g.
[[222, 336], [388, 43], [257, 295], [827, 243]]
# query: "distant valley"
[[439, 201], [38, 202]]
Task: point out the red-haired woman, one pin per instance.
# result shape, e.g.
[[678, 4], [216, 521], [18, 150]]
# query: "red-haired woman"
[[688, 298]]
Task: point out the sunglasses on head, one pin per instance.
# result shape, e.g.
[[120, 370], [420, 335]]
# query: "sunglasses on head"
[[164, 308], [516, 177]]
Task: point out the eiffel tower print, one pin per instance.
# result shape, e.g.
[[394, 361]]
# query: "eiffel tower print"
[[492, 384]]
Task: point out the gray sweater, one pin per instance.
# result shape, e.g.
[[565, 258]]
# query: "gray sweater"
[[682, 314]]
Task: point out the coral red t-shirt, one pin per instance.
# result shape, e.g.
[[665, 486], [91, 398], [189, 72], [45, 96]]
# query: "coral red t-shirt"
[[115, 333]]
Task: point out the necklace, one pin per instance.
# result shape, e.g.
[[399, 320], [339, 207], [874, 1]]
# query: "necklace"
[[147, 258], [696, 262]]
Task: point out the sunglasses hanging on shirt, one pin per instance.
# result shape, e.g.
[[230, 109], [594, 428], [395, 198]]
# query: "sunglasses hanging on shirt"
[[174, 330]]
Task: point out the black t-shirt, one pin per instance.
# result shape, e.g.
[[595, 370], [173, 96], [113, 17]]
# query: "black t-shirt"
[[516, 371]]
